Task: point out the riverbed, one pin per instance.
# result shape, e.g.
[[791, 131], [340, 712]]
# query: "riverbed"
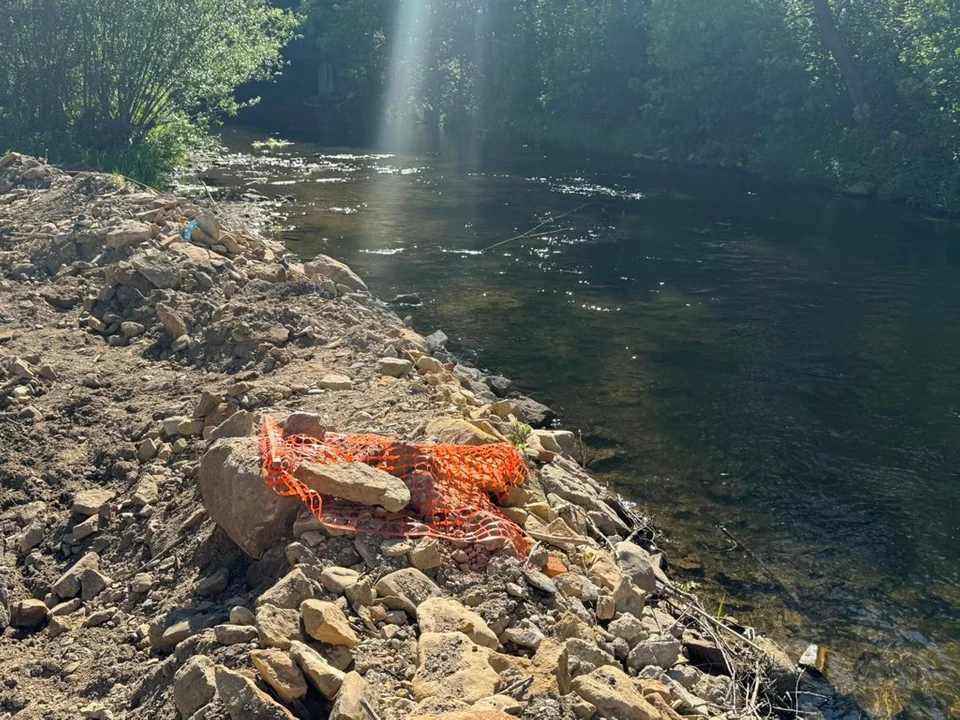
[[772, 374]]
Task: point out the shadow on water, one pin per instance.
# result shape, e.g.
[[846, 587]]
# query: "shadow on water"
[[773, 375]]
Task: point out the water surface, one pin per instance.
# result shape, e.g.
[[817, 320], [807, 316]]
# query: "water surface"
[[774, 375]]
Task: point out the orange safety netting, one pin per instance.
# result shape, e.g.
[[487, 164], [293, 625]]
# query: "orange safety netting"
[[450, 485]]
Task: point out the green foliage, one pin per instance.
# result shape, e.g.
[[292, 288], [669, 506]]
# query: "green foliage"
[[125, 84], [750, 83], [520, 434]]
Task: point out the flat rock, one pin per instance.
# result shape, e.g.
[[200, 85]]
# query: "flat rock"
[[613, 693], [452, 665], [335, 382], [304, 423], [458, 432], [174, 326], [129, 232], [326, 622], [356, 482], [406, 589], [244, 700], [338, 579], [281, 673], [235, 634], [319, 673], [194, 685], [439, 615], [239, 501], [89, 502]]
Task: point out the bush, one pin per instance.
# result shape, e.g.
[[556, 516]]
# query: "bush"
[[124, 84]]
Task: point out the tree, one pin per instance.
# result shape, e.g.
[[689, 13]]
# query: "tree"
[[852, 81]]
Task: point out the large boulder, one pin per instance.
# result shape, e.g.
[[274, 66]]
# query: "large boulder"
[[355, 482], [326, 266], [239, 501]]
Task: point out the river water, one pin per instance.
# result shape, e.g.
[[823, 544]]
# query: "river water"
[[774, 375]]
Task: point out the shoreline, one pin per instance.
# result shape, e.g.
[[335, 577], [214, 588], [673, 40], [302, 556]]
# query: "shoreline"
[[137, 367]]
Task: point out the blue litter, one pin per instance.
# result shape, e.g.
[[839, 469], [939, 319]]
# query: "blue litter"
[[188, 230]]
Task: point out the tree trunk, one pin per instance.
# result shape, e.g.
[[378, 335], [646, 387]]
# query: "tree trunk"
[[849, 73]]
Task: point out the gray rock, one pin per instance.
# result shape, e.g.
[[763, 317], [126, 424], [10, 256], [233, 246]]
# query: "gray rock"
[[356, 482], [240, 424], [213, 585], [235, 634], [238, 500], [158, 270], [338, 579], [142, 583], [435, 341], [130, 232], [637, 564], [89, 502], [194, 685], [304, 423], [244, 700], [498, 384], [535, 414], [68, 585], [661, 653], [131, 329], [239, 615]]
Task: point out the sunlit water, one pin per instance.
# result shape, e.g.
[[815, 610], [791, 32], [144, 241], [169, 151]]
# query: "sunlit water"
[[774, 375]]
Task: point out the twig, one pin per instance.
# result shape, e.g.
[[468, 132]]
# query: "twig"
[[369, 708], [520, 685], [529, 233]]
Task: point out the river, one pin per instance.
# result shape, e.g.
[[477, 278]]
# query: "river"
[[772, 374]]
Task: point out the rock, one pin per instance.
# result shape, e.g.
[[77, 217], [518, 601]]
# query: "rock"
[[338, 579], [361, 593], [147, 450], [441, 615], [209, 399], [304, 423], [629, 628], [142, 583], [535, 414], [158, 270], [780, 669], [586, 657], [425, 555], [326, 266], [147, 492], [210, 226], [29, 614], [281, 673], [238, 500], [349, 704], [637, 564], [289, 592], [406, 299], [394, 367], [235, 634], [174, 326], [861, 189], [452, 665], [240, 424], [89, 502], [606, 607], [613, 694], [356, 482], [502, 703], [435, 341], [319, 673], [214, 584], [278, 627], [663, 653], [406, 589], [194, 685], [336, 382], [239, 615], [458, 432], [244, 700], [32, 536], [427, 365], [168, 631], [326, 622], [629, 598], [526, 635], [703, 652], [130, 232]]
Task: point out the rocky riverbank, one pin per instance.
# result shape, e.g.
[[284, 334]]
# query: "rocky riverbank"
[[147, 571]]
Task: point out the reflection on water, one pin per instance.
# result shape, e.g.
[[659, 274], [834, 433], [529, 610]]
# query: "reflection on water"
[[781, 364]]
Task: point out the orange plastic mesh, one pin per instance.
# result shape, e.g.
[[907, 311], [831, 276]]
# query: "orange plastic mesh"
[[451, 486]]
